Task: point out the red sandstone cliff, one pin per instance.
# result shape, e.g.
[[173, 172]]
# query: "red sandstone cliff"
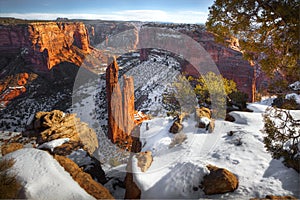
[[47, 44], [58, 42], [229, 61]]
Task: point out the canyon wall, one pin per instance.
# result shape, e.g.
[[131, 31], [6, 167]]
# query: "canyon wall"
[[229, 60], [44, 45]]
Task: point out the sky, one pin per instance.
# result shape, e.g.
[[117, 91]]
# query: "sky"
[[177, 11]]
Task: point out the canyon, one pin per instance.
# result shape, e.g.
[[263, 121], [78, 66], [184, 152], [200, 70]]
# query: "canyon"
[[105, 73], [45, 45]]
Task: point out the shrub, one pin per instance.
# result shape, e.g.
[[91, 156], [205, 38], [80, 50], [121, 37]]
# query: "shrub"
[[214, 87], [282, 136], [290, 104], [181, 97], [239, 99], [9, 186], [114, 162]]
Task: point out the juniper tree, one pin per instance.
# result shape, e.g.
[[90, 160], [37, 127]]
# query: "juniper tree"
[[268, 32], [282, 137]]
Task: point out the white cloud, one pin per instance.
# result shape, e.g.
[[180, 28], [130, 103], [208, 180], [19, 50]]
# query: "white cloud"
[[124, 15]]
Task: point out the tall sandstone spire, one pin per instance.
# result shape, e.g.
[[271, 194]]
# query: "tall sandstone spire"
[[128, 104], [112, 73], [120, 107]]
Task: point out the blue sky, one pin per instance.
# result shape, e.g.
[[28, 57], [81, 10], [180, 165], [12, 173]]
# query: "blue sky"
[[180, 11]]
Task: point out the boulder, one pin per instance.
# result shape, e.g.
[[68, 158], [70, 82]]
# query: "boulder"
[[229, 118], [275, 198], [280, 197], [8, 148], [48, 126], [177, 124], [132, 190], [144, 160], [67, 148], [176, 127], [204, 120], [219, 181], [211, 126], [202, 112], [84, 179]]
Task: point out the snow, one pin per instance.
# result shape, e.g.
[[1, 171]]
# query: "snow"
[[175, 171], [295, 86], [80, 157], [294, 96], [205, 120], [43, 177], [53, 143]]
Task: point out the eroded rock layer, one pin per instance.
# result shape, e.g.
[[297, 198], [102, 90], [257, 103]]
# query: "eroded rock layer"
[[44, 45], [120, 107]]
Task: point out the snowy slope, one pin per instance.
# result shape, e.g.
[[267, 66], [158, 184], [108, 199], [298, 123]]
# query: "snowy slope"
[[151, 77], [43, 177], [176, 171]]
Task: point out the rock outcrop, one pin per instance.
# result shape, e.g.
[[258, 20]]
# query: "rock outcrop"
[[219, 181], [177, 125], [203, 118], [61, 45], [44, 45], [144, 160], [11, 147], [83, 179], [120, 107], [48, 126], [13, 86], [132, 190]]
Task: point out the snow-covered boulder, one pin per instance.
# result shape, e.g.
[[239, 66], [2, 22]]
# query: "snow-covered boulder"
[[144, 160], [294, 96], [295, 86], [42, 177], [177, 125], [54, 143], [219, 181], [50, 126], [204, 120]]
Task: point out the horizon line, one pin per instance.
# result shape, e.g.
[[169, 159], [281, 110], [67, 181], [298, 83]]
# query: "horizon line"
[[188, 17]]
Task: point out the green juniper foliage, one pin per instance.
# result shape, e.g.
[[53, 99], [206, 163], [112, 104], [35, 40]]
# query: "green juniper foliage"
[[268, 32], [282, 136]]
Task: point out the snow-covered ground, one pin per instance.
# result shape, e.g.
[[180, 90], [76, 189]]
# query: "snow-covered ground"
[[176, 171], [294, 96], [42, 177]]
